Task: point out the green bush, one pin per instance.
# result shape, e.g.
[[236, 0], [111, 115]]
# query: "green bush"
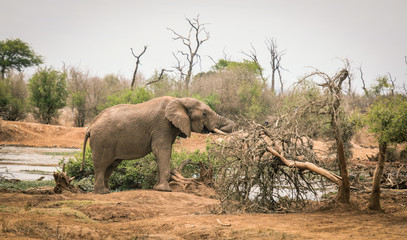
[[127, 96], [12, 105], [212, 100], [73, 165], [48, 93], [135, 174], [193, 168]]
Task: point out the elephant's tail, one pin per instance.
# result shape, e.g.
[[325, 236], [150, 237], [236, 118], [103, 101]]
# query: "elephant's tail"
[[87, 135]]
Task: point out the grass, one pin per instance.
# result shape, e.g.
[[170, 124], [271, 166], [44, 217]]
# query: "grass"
[[36, 172], [72, 203], [8, 209], [24, 185], [67, 211], [67, 154]]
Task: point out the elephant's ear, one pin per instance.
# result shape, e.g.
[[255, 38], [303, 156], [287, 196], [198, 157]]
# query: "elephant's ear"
[[176, 112]]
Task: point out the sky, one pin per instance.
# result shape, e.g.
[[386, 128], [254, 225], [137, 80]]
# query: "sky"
[[96, 35]]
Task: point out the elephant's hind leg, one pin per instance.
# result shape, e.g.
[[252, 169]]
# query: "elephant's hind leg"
[[110, 170], [101, 164]]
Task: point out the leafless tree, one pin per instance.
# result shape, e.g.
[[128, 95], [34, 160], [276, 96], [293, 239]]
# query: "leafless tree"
[[197, 35], [253, 56], [275, 62], [137, 63], [333, 88]]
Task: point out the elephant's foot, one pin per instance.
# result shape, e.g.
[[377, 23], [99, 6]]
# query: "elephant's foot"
[[101, 191], [165, 187]]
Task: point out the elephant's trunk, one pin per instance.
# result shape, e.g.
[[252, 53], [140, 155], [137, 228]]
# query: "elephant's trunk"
[[223, 124]]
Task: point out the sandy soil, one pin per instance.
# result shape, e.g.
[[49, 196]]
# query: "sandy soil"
[[144, 214]]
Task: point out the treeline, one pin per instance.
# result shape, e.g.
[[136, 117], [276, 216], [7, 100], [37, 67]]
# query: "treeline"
[[231, 91]]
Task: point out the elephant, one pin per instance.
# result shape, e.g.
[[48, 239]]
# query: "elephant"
[[131, 131]]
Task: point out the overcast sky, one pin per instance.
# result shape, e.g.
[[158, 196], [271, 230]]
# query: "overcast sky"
[[98, 35]]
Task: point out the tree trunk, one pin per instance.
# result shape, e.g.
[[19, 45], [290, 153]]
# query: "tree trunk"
[[3, 73], [302, 165], [374, 202], [344, 188]]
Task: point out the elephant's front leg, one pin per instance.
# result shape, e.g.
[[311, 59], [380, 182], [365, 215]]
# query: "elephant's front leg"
[[163, 156]]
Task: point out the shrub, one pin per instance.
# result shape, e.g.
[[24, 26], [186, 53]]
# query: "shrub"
[[167, 86], [127, 96], [12, 98], [212, 100], [134, 174], [237, 87], [48, 93]]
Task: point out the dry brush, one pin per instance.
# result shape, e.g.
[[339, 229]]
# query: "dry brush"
[[267, 169]]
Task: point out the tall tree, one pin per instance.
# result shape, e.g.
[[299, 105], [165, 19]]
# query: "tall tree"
[[48, 93], [16, 54], [197, 35]]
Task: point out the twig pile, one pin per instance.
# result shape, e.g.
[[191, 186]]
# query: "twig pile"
[[265, 170]]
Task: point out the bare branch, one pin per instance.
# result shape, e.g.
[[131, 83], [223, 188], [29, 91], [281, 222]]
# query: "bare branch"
[[193, 42], [363, 81], [160, 77], [253, 56], [137, 63], [393, 85]]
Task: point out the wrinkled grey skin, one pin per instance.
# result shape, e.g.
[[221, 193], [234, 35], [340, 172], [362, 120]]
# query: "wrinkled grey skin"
[[131, 131]]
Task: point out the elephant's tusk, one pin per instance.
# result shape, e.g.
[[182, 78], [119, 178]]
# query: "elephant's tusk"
[[223, 224], [219, 131]]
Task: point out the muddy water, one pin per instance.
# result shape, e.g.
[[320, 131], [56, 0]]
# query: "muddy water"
[[29, 163]]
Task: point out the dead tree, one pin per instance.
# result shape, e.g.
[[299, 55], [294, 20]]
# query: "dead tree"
[[253, 56], [333, 90], [275, 63], [193, 41], [267, 168], [137, 63]]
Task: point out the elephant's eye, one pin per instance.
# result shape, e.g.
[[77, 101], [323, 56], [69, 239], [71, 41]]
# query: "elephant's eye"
[[204, 113]]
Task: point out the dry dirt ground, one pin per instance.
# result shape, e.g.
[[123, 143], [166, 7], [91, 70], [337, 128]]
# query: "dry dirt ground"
[[144, 214]]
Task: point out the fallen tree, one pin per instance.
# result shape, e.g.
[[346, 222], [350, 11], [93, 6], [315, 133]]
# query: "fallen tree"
[[268, 169]]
